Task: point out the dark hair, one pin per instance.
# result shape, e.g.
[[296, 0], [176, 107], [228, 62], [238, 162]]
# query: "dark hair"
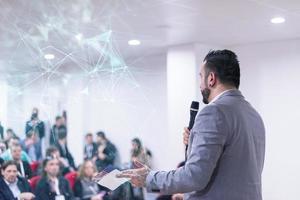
[[51, 150], [225, 64], [138, 142], [89, 135], [8, 163], [45, 162], [101, 134], [57, 118]]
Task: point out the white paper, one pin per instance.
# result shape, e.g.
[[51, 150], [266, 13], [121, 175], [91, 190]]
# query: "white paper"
[[111, 181]]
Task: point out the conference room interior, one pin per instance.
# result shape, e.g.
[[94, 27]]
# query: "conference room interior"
[[124, 73]]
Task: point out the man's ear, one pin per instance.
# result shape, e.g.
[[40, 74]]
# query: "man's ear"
[[212, 79]]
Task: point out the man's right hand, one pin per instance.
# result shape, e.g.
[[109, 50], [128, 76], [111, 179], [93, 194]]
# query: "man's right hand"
[[26, 196], [186, 136]]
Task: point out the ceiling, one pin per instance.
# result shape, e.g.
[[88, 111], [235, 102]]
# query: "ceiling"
[[31, 29]]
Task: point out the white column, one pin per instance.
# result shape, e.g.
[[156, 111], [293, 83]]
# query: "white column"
[[182, 87]]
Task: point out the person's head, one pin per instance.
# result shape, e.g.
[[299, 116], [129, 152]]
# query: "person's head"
[[101, 138], [35, 114], [87, 169], [62, 133], [59, 121], [16, 151], [136, 144], [51, 167], [9, 133], [220, 70], [9, 171], [89, 138], [13, 141], [52, 151]]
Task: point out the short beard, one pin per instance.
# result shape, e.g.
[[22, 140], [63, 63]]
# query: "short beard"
[[205, 95]]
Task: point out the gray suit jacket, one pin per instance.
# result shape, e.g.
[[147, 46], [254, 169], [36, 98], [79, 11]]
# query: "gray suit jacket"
[[225, 155]]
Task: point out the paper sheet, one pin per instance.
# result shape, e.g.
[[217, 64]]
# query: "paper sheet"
[[111, 181]]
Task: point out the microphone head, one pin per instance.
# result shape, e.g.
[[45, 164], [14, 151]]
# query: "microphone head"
[[195, 106]]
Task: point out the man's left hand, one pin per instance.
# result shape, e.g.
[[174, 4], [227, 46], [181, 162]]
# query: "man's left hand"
[[137, 176]]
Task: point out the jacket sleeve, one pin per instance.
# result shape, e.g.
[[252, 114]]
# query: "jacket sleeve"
[[206, 144]]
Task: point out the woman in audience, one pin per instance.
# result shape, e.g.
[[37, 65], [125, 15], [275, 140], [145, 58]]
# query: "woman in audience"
[[85, 188]]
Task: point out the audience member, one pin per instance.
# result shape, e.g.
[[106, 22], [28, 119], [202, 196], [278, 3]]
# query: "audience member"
[[35, 124], [62, 147], [31, 146], [90, 148], [12, 186], [85, 188], [59, 121], [106, 152], [7, 154], [52, 186], [23, 166]]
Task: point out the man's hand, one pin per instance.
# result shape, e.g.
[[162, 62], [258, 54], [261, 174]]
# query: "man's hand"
[[137, 176], [26, 196], [186, 136], [177, 197]]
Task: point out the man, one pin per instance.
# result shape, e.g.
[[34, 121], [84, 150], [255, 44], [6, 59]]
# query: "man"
[[59, 121], [52, 186], [62, 147], [7, 154], [106, 152], [23, 166], [12, 186], [90, 148], [31, 146], [35, 124], [226, 145]]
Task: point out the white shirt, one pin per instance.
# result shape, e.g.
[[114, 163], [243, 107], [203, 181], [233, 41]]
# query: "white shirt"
[[218, 96], [14, 188], [56, 187], [22, 169]]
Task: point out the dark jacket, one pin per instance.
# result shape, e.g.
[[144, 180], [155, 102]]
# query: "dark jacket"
[[43, 189], [6, 193], [110, 152], [27, 169], [40, 127], [66, 154]]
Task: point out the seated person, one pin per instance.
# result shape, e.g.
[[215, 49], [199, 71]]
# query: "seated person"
[[23, 166], [12, 186], [90, 147], [7, 154], [85, 188], [32, 146], [52, 186], [64, 166], [62, 146], [106, 152]]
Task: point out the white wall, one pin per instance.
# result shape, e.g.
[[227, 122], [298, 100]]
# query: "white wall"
[[270, 81]]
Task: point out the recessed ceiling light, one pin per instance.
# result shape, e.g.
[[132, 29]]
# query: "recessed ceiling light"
[[49, 56], [79, 36], [134, 42], [277, 20]]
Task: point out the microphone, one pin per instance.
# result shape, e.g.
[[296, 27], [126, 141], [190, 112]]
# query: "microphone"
[[193, 112]]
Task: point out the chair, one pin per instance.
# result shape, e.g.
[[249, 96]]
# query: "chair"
[[71, 177], [33, 182]]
